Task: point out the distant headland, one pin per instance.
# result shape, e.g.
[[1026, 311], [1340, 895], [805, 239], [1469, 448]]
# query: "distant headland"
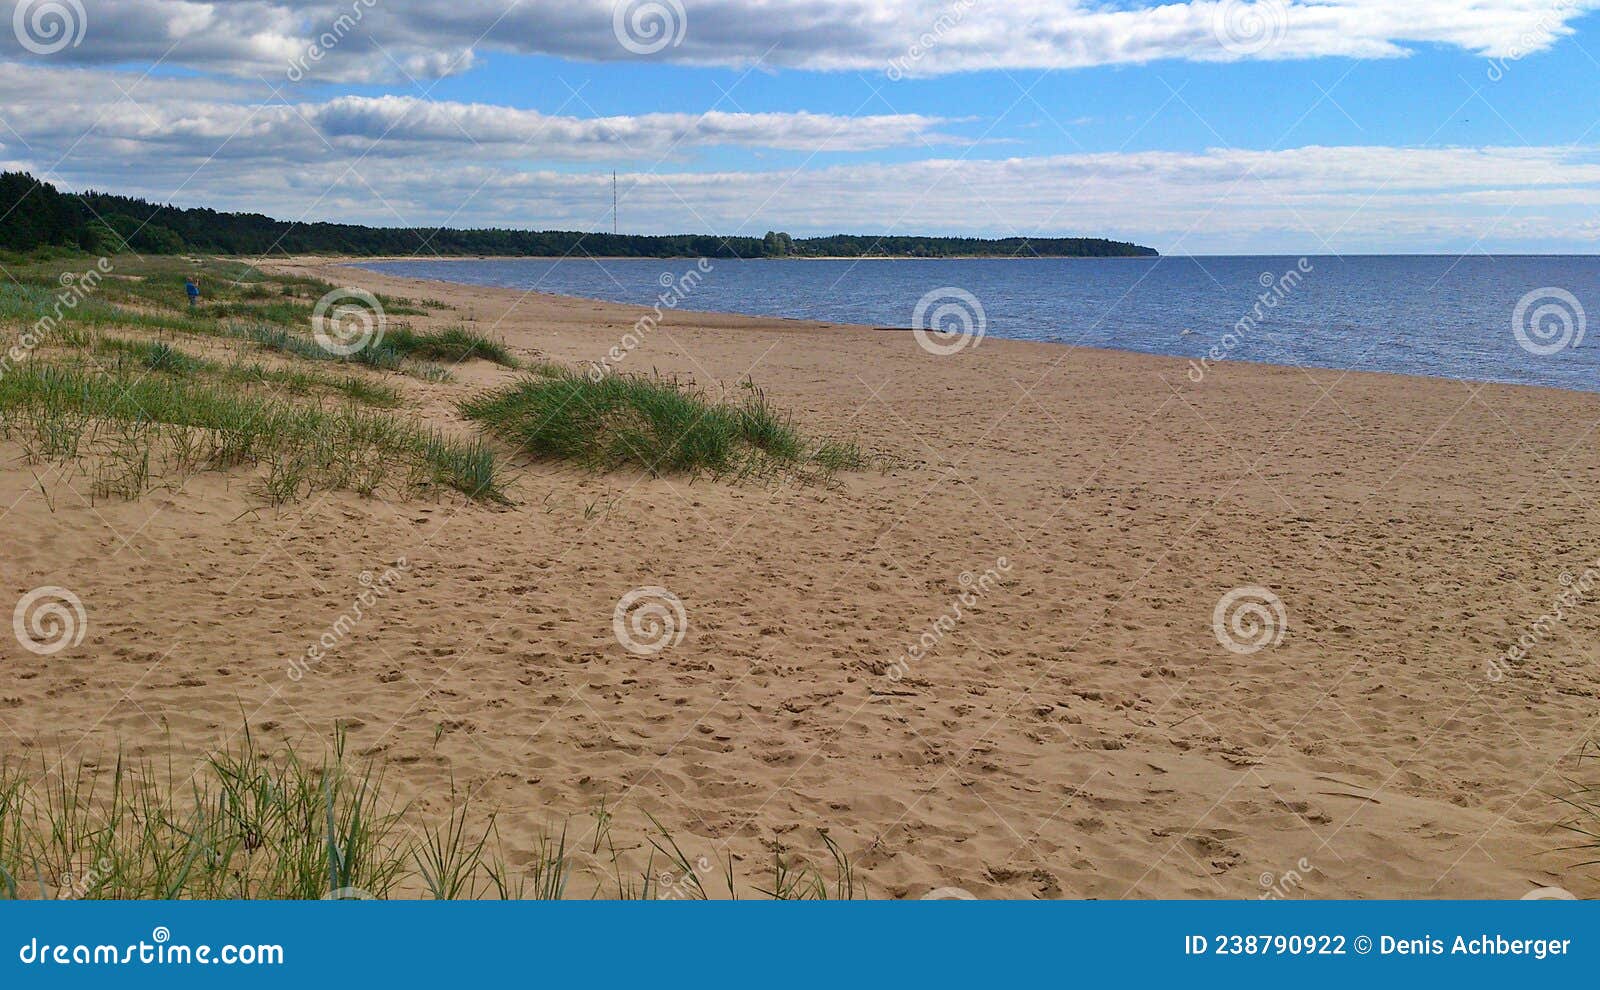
[[39, 216]]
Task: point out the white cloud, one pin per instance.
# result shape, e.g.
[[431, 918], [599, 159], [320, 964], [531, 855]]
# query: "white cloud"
[[1309, 199], [105, 116], [387, 39]]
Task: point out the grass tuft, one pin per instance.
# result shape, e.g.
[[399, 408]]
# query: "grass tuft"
[[654, 423], [56, 411], [248, 823], [452, 344]]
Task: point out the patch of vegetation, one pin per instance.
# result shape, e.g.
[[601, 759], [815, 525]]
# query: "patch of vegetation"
[[654, 423], [245, 823], [453, 344], [299, 382], [152, 355], [61, 413]]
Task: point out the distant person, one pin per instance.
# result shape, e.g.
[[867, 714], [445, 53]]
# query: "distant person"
[[191, 286]]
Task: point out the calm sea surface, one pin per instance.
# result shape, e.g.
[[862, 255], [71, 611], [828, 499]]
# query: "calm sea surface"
[[1449, 317]]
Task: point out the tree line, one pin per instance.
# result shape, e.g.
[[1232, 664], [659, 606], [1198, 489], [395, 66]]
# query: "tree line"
[[37, 215]]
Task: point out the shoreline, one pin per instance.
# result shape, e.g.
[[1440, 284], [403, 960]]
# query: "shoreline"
[[759, 322]]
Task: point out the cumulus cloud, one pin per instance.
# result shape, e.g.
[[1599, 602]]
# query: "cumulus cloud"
[[1309, 199], [111, 116], [377, 39]]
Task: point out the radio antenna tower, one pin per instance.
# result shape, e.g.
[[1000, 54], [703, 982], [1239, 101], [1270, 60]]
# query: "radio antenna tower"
[[613, 202]]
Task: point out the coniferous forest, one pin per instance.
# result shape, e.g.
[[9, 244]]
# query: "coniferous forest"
[[36, 216]]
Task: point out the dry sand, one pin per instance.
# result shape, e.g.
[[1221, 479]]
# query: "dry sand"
[[1078, 731]]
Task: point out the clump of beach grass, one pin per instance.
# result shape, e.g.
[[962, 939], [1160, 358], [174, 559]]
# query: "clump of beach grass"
[[238, 824], [246, 822], [64, 413], [399, 349], [302, 382], [659, 424], [152, 355], [451, 344]]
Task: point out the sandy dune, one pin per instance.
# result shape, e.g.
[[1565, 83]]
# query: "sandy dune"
[[1078, 730]]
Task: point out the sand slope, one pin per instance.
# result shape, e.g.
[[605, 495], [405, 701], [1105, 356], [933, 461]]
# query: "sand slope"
[[1078, 732]]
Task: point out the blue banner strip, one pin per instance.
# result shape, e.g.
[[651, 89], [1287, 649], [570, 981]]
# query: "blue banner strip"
[[923, 943]]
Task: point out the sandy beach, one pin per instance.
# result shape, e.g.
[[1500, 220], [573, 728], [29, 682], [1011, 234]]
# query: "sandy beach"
[[991, 665]]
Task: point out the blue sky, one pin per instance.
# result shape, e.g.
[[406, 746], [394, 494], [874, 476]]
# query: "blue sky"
[[1208, 126]]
